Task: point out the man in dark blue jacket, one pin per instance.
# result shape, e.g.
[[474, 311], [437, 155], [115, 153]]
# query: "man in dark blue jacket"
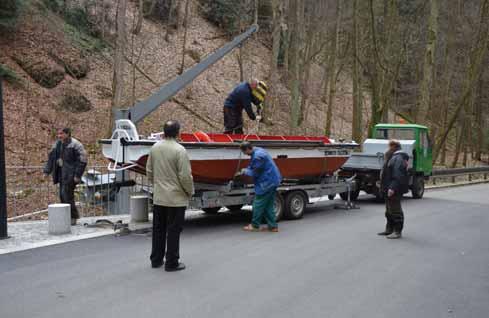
[[266, 178], [394, 182], [241, 98]]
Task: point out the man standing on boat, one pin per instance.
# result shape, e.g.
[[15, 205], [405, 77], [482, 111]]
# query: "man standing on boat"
[[394, 183], [267, 178], [66, 163], [168, 169], [241, 98]]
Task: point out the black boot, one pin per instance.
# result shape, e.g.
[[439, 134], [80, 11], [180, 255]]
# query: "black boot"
[[388, 228]]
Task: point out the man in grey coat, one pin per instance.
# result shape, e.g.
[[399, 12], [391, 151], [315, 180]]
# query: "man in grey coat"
[[168, 169], [66, 163]]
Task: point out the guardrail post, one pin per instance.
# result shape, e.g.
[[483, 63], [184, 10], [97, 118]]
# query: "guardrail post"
[[485, 176], [3, 174], [470, 177], [453, 179], [434, 180]]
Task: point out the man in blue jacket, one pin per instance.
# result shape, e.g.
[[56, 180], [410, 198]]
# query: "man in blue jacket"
[[267, 178], [241, 98]]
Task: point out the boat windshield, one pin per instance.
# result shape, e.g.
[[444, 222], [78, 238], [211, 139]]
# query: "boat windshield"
[[399, 134]]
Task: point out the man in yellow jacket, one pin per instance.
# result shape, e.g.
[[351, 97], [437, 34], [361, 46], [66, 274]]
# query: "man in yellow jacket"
[[168, 169]]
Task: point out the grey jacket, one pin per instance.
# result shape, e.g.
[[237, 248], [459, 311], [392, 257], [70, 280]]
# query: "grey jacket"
[[66, 161], [168, 168]]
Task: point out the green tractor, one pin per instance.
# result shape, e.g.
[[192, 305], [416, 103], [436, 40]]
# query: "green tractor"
[[368, 164]]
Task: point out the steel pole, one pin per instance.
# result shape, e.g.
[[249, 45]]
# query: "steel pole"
[[3, 176]]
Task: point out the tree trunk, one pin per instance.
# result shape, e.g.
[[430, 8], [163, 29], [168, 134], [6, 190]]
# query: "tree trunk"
[[424, 99], [296, 9], [184, 45], [357, 134], [332, 69], [118, 72], [139, 23], [477, 55]]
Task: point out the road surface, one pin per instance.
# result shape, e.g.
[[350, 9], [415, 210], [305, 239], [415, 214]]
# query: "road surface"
[[329, 264]]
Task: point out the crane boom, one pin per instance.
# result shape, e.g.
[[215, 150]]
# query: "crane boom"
[[143, 108]]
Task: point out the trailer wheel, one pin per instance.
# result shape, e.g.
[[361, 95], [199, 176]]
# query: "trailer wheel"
[[417, 188], [279, 207], [331, 196], [213, 210], [295, 205], [353, 195], [235, 208]]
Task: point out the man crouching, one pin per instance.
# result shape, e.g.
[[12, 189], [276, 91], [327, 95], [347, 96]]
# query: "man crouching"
[[267, 178]]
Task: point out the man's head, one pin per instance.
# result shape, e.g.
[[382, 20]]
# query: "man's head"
[[246, 148], [171, 129], [63, 134], [394, 145]]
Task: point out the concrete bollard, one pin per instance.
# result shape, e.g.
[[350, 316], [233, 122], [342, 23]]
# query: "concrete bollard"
[[59, 218], [139, 208]]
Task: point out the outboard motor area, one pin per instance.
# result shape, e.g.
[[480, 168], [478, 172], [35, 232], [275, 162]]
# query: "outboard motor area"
[[124, 128]]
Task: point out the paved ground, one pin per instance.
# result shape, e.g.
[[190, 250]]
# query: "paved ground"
[[330, 264]]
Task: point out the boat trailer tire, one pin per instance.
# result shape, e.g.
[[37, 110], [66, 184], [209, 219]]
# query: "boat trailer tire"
[[331, 196], [295, 205], [213, 210], [417, 189], [279, 207], [353, 195]]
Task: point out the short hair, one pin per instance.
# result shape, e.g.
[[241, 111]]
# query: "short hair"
[[171, 129], [395, 143], [66, 130], [245, 145]]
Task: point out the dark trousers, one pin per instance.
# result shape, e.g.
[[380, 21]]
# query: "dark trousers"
[[233, 120], [167, 226], [67, 195], [394, 214]]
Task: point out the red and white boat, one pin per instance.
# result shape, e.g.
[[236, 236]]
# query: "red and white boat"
[[215, 158]]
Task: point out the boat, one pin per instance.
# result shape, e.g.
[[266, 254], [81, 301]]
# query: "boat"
[[215, 158]]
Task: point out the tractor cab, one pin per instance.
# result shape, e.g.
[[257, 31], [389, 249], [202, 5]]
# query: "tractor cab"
[[422, 154]]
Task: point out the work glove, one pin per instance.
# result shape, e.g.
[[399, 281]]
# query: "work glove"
[[240, 173]]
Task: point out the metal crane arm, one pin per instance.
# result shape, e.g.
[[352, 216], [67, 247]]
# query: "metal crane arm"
[[142, 109]]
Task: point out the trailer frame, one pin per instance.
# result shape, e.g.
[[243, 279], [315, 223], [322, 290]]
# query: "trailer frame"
[[291, 200]]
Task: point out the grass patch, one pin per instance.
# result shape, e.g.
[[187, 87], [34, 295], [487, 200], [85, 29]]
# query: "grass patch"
[[85, 41], [9, 75], [10, 11], [78, 26]]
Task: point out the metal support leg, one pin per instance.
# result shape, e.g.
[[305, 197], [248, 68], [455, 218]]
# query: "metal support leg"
[[348, 204]]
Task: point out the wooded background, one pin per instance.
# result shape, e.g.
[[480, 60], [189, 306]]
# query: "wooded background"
[[419, 61]]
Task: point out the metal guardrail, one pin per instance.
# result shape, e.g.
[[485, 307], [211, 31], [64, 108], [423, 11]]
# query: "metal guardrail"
[[453, 173]]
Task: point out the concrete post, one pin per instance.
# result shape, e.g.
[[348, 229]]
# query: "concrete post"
[[139, 208], [59, 218]]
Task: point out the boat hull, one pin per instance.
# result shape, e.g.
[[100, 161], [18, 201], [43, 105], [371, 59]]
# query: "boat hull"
[[222, 171], [217, 164]]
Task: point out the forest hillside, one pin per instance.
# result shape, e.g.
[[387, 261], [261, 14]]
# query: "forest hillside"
[[333, 67]]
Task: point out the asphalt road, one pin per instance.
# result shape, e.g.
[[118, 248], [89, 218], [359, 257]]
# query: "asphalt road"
[[329, 264]]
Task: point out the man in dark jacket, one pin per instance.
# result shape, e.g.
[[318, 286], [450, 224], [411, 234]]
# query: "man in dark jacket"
[[394, 182], [267, 178], [67, 161], [241, 98]]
